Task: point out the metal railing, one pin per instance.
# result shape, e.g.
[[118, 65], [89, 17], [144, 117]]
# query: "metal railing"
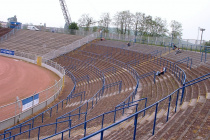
[[186, 44], [65, 49], [135, 116]]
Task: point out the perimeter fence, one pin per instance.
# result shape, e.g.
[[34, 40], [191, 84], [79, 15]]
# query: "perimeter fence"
[[186, 44]]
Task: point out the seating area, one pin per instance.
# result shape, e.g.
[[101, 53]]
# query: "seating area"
[[111, 82], [4, 31], [37, 42], [195, 107]]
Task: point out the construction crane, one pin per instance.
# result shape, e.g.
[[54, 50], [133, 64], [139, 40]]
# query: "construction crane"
[[65, 12]]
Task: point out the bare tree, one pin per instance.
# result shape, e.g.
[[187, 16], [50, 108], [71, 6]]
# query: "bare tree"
[[123, 21], [138, 22], [119, 22], [176, 29], [128, 22], [105, 21], [86, 21]]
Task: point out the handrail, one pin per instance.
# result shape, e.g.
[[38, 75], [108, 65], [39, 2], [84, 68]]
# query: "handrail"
[[103, 82], [86, 121], [135, 115]]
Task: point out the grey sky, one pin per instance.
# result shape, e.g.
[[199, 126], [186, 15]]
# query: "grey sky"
[[191, 13]]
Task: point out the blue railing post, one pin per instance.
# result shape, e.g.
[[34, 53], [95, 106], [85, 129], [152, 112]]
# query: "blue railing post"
[[85, 125], [145, 105], [153, 132], [62, 104], [56, 124], [20, 127], [114, 114], [191, 64], [38, 133], [87, 107], [29, 132], [92, 103], [79, 112], [42, 117], [102, 133], [201, 56], [187, 61], [57, 109], [154, 77], [123, 108], [169, 104], [135, 125], [33, 123], [183, 90], [69, 127], [205, 56], [62, 136], [102, 122], [177, 98]]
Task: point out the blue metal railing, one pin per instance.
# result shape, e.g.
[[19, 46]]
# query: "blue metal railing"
[[79, 94], [135, 115], [206, 50], [187, 60], [69, 120], [119, 83], [148, 74]]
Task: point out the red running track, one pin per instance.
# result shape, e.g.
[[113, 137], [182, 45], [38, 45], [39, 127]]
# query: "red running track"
[[22, 79]]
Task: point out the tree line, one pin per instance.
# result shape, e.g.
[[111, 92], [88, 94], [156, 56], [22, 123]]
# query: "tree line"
[[129, 23]]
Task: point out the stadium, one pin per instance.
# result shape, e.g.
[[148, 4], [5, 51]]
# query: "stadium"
[[100, 87]]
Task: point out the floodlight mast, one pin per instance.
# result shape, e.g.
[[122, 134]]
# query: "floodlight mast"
[[65, 12]]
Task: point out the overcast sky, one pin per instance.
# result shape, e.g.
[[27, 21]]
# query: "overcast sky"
[[191, 13]]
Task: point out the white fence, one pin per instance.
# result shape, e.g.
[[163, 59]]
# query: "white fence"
[[65, 49], [186, 43], [13, 110]]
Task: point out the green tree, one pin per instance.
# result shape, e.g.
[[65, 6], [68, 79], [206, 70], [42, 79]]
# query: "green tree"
[[207, 43], [73, 26], [95, 29]]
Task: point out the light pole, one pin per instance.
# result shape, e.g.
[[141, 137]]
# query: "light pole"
[[201, 29]]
